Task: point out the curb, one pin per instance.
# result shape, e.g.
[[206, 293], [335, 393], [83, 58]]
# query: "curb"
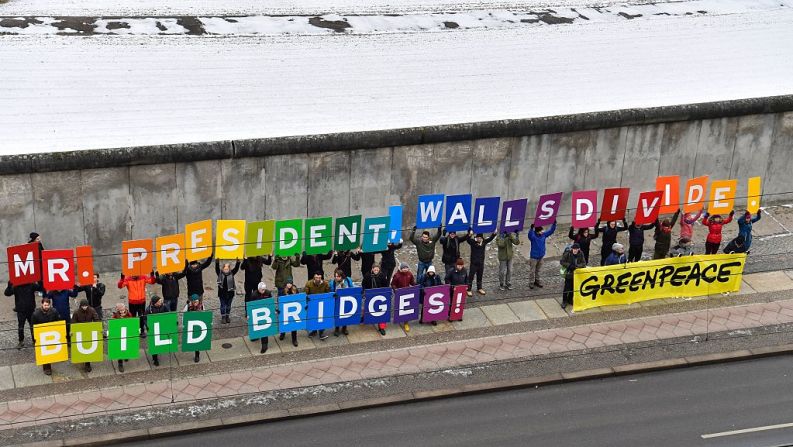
[[417, 396]]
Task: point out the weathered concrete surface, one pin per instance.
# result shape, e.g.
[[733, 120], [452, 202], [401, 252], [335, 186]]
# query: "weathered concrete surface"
[[103, 207]]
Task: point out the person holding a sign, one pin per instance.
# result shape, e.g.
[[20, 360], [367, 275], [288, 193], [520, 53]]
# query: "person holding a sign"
[[24, 306], [136, 296], [478, 245], [715, 225], [60, 301], [425, 249], [170, 288], [194, 304], [194, 272], [252, 266], [314, 263], [45, 314], [610, 232], [156, 306], [388, 260], [745, 228], [636, 240], [506, 243], [313, 287], [584, 238], [570, 261], [226, 287], [343, 260], [289, 289], [283, 270], [340, 281], [85, 314], [663, 236], [687, 225], [94, 294], [451, 248], [260, 294], [121, 312], [537, 237]]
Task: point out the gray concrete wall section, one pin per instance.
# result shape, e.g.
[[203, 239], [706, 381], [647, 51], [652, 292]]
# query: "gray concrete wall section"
[[103, 207]]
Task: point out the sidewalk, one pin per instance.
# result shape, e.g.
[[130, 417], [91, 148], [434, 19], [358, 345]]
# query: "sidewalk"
[[407, 360]]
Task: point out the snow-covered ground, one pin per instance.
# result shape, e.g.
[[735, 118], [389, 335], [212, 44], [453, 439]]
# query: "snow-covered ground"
[[62, 93]]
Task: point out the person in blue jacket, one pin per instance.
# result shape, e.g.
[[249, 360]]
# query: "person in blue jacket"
[[745, 227], [617, 255], [537, 238], [60, 301]]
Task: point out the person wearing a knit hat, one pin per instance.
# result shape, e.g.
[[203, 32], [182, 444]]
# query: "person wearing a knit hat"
[[458, 275], [289, 289], [156, 306], [478, 243], [260, 293], [537, 238], [617, 255], [85, 314], [194, 304], [745, 228]]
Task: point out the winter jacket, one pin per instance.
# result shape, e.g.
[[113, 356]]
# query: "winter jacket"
[[253, 270], [93, 294], [60, 300], [571, 262], [136, 287], [425, 252], [478, 251], [734, 247], [152, 309], [256, 295], [367, 261], [372, 281], [283, 269], [343, 260], [85, 316], [402, 279], [226, 280], [636, 233], [170, 284], [615, 258], [610, 234], [663, 237], [40, 317], [24, 297], [505, 244], [714, 229], [313, 263], [583, 241], [745, 229], [388, 257], [538, 242], [313, 288], [431, 280], [451, 247], [345, 283], [687, 225], [457, 277], [195, 277]]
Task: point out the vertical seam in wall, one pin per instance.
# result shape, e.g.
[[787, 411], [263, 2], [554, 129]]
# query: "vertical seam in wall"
[[696, 152], [82, 208], [661, 128], [308, 187], [130, 207], [349, 184], [222, 183], [734, 144], [624, 142], [546, 140], [471, 161], [176, 183], [33, 194], [777, 118]]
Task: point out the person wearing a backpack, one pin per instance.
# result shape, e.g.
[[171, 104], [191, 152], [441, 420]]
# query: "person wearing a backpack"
[[570, 261], [537, 237]]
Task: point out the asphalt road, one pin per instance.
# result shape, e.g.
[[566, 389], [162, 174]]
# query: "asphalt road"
[[670, 408]]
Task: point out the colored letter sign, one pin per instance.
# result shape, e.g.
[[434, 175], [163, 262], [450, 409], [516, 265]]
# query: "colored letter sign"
[[615, 203], [722, 196], [197, 332], [319, 235], [695, 194], [163, 332], [229, 239], [348, 306], [486, 214], [513, 215], [406, 304], [123, 338], [754, 191], [58, 267], [375, 234], [293, 312], [24, 262], [585, 205], [429, 211], [262, 320], [377, 305], [547, 209], [458, 212], [288, 237], [395, 224], [670, 186], [198, 237], [259, 237], [87, 342], [648, 208], [85, 265], [137, 257], [348, 230], [457, 306], [321, 307], [436, 303], [51, 344], [170, 253]]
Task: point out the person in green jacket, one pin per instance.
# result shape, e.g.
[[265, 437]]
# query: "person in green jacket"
[[505, 243], [425, 249], [283, 270]]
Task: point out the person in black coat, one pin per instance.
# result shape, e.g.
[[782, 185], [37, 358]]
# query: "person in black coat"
[[636, 240], [156, 306], [314, 263], [261, 293], [457, 276], [343, 260], [478, 245], [45, 314], [451, 248], [170, 288], [374, 279], [24, 306], [194, 272], [609, 231], [253, 272], [388, 260], [367, 261], [583, 238]]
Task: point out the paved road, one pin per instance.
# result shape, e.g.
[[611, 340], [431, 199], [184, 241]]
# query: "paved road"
[[656, 409]]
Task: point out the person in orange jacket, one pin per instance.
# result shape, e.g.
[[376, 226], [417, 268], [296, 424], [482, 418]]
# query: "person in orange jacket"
[[136, 296]]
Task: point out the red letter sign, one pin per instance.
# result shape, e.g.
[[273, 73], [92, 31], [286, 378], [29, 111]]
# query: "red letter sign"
[[24, 263], [58, 269], [615, 202], [649, 207]]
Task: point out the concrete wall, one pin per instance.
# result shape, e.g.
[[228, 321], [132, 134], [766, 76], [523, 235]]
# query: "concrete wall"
[[104, 206]]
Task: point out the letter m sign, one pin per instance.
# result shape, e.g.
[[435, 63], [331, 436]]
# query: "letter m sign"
[[24, 264]]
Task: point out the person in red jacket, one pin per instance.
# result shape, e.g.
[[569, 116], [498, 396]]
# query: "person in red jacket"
[[714, 225], [136, 296], [403, 277]]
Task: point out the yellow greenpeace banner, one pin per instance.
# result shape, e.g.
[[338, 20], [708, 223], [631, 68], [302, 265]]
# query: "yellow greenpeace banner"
[[662, 278]]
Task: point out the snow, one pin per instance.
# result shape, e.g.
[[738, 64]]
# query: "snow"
[[68, 93]]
